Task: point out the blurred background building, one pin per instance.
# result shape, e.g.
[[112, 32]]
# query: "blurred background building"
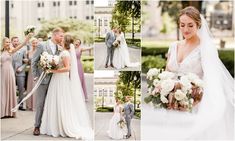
[[24, 12], [104, 91], [159, 19]]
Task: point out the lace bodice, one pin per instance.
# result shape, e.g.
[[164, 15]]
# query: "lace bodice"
[[192, 62]]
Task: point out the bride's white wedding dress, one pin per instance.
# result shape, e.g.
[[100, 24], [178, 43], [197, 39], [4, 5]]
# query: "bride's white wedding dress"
[[213, 117], [65, 113], [121, 57], [114, 131]]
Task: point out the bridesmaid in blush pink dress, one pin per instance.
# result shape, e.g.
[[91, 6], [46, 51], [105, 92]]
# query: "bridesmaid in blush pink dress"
[[8, 84], [79, 51]]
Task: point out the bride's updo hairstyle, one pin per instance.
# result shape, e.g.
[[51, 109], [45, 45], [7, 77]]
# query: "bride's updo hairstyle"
[[68, 39], [193, 13]]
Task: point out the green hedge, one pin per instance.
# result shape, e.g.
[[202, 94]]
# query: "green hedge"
[[152, 62], [153, 57], [104, 109], [88, 64], [138, 113]]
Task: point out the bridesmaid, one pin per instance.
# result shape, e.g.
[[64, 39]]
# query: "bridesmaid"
[[79, 51], [8, 87], [30, 103]]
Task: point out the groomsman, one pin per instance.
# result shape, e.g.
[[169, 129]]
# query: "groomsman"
[[19, 60]]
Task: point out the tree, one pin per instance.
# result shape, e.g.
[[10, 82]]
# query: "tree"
[[78, 29], [122, 13], [128, 83]]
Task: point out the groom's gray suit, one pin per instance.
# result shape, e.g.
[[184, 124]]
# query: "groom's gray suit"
[[36, 70], [129, 113], [109, 39]]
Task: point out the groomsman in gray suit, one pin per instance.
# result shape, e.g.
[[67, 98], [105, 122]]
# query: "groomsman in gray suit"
[[19, 60], [129, 114], [52, 47], [109, 39]]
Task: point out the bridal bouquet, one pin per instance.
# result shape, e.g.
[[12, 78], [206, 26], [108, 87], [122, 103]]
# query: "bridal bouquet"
[[29, 29], [172, 91], [116, 43], [48, 61], [121, 123]]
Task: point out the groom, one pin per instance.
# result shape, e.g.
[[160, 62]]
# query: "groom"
[[128, 113], [50, 46], [109, 39]]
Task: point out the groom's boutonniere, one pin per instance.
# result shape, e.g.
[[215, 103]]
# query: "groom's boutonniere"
[[60, 48]]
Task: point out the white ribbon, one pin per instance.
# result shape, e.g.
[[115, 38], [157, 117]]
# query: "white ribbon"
[[42, 76]]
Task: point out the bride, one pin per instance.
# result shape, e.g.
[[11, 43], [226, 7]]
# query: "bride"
[[115, 131], [65, 112], [213, 117], [121, 58]]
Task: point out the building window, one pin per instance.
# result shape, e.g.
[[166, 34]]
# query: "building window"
[[39, 4], [58, 3], [75, 2], [95, 22], [75, 17], [70, 3], [92, 17], [42, 4], [105, 22], [54, 3], [87, 2], [39, 19], [12, 5], [100, 22], [92, 2], [87, 17]]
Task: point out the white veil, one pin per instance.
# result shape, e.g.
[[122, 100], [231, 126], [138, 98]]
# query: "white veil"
[[217, 104], [124, 47], [78, 101]]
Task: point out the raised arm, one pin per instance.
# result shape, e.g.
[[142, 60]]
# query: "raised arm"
[[23, 44]]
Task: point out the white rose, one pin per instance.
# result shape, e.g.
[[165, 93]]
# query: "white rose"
[[198, 82], [164, 99], [167, 85], [166, 75], [152, 72], [179, 95], [191, 100], [156, 82], [56, 59], [185, 83]]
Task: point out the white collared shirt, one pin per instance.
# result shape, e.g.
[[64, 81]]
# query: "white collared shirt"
[[52, 46]]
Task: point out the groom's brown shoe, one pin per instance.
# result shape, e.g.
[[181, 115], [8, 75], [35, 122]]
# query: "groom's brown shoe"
[[36, 131], [106, 66], [112, 66]]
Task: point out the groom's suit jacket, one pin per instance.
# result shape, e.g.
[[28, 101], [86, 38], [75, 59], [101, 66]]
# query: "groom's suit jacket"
[[129, 110], [36, 69], [109, 39]]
